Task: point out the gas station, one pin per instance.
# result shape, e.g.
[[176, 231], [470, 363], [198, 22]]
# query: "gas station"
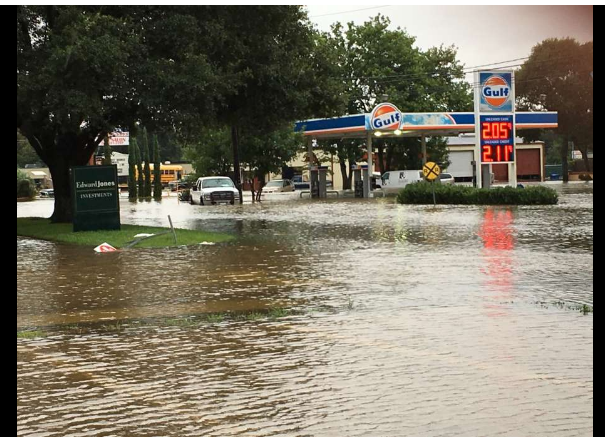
[[495, 120]]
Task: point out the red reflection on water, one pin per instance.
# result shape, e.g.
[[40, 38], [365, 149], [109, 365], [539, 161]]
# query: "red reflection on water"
[[497, 233], [497, 230]]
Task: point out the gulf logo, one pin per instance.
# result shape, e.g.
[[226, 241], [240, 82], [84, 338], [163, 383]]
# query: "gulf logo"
[[496, 91], [386, 117]]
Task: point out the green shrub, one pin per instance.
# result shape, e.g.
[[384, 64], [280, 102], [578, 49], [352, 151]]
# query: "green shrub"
[[422, 194], [25, 186]]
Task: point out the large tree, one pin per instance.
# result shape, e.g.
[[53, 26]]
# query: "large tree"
[[378, 63], [83, 71], [273, 74], [263, 152], [559, 77]]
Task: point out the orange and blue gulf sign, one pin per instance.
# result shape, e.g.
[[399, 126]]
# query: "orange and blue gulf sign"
[[386, 116], [496, 92]]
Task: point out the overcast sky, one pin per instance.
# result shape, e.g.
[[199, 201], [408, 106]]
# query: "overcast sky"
[[483, 34]]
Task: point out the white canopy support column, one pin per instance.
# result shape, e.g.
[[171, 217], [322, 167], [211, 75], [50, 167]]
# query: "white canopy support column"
[[370, 164], [425, 158]]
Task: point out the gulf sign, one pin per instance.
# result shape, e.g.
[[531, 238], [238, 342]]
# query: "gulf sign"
[[496, 90], [386, 117]]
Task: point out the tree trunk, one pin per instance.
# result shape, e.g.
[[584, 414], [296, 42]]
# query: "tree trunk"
[[565, 160], [252, 190], [584, 151], [389, 163], [62, 187], [381, 158], [346, 181], [261, 187], [61, 153], [237, 163], [67, 153]]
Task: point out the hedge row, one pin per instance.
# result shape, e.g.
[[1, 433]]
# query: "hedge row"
[[422, 194]]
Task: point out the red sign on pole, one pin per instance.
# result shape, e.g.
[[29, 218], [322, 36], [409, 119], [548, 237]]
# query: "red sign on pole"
[[119, 139]]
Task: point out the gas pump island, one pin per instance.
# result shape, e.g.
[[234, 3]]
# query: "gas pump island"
[[495, 121]]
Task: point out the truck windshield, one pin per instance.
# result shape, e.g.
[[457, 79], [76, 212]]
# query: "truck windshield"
[[218, 183]]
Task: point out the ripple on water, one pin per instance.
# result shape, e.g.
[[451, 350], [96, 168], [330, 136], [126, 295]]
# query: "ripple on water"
[[410, 321]]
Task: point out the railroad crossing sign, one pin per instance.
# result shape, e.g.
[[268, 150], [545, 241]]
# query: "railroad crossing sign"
[[431, 171]]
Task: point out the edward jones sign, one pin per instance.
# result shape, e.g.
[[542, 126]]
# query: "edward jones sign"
[[96, 199]]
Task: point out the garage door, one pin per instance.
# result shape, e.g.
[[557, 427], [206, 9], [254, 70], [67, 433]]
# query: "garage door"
[[462, 164], [528, 165], [500, 172]]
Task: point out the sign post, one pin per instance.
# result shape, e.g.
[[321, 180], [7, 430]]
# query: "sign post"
[[495, 124], [96, 199], [432, 172]]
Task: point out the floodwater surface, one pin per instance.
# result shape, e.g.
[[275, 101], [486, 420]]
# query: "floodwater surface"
[[336, 318]]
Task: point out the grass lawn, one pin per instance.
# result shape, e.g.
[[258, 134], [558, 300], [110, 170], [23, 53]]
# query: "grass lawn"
[[43, 229]]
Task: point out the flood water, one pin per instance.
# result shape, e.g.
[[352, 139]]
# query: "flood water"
[[404, 321]]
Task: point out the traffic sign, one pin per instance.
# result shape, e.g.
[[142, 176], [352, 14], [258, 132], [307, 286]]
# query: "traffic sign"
[[431, 171]]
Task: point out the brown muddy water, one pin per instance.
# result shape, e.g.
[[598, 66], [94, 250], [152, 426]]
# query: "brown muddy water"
[[402, 321]]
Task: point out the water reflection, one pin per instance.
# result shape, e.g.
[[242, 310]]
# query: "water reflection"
[[497, 233]]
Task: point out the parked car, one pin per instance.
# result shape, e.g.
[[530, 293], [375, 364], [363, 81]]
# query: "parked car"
[[447, 179], [214, 191], [395, 181], [300, 183], [279, 186], [179, 186], [47, 194], [185, 195]]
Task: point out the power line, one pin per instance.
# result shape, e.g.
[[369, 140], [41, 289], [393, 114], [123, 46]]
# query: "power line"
[[441, 88], [350, 12], [392, 79], [465, 70]]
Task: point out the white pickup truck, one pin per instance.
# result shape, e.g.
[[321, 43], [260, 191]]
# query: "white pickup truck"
[[214, 191]]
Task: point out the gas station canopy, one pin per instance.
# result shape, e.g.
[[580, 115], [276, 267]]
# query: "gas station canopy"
[[416, 125]]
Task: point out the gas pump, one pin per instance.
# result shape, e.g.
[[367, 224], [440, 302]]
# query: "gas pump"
[[367, 182], [315, 182], [358, 182], [323, 182], [319, 182]]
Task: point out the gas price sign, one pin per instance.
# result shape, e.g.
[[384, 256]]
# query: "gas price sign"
[[497, 139]]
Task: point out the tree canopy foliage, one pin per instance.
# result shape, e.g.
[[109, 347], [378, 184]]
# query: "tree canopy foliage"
[[26, 155], [559, 76], [377, 63], [83, 71]]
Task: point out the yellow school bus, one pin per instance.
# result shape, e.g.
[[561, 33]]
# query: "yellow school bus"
[[170, 173]]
